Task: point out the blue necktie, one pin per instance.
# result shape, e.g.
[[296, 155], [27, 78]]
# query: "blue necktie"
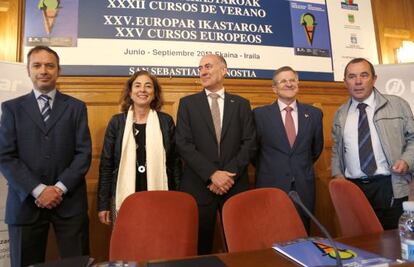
[[366, 153], [46, 110]]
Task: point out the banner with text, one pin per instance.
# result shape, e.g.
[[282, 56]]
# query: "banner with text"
[[14, 82], [119, 37], [396, 79]]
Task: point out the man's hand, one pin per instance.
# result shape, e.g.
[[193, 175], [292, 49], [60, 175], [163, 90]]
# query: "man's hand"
[[215, 189], [105, 217], [222, 180], [400, 167], [50, 197]]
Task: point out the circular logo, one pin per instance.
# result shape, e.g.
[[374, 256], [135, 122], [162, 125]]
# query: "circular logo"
[[395, 87]]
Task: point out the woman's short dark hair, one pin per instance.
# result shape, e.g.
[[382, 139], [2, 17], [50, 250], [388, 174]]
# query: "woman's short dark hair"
[[126, 100]]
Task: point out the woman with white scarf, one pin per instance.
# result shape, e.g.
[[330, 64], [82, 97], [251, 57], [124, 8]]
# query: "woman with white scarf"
[[139, 149]]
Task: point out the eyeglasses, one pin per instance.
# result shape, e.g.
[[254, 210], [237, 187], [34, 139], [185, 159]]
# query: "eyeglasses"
[[284, 81]]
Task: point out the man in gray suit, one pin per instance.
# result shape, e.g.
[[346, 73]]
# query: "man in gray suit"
[[45, 152], [290, 140], [215, 138], [373, 142]]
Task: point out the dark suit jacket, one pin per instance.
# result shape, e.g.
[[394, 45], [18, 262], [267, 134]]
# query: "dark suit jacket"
[[277, 163], [197, 144], [32, 153]]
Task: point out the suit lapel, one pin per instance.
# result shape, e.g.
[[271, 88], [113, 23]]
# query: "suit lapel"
[[303, 123], [31, 107], [59, 106], [275, 119], [228, 110], [205, 112]]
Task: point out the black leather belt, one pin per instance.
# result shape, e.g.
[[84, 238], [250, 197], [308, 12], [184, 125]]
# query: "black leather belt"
[[369, 179]]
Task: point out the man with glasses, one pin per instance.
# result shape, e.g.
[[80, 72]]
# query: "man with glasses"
[[373, 142], [290, 140]]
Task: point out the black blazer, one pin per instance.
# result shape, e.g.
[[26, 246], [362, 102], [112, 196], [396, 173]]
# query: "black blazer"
[[111, 156], [277, 163], [32, 153], [197, 144]]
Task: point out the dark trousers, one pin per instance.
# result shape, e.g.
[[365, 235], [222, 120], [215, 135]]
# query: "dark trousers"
[[28, 242], [378, 190], [306, 220], [207, 222]]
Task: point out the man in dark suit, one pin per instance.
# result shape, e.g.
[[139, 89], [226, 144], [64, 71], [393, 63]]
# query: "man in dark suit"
[[45, 152], [216, 138], [290, 140]]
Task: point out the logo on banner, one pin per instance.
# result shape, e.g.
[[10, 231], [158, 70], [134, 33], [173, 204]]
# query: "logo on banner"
[[349, 4], [395, 87], [7, 85], [50, 11], [308, 22], [351, 18], [354, 39]]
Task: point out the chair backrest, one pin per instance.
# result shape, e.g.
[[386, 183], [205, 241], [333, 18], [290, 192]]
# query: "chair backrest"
[[355, 214], [258, 218], [155, 225]]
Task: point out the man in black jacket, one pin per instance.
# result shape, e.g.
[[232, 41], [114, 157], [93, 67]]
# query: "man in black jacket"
[[216, 139]]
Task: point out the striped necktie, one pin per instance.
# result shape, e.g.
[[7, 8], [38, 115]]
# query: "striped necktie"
[[366, 153], [46, 110]]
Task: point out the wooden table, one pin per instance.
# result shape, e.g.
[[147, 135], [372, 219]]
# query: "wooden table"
[[386, 244]]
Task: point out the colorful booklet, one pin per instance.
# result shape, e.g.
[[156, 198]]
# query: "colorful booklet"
[[316, 251]]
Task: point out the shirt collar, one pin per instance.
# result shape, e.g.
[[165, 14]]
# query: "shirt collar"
[[219, 92], [370, 101], [51, 94], [282, 105]]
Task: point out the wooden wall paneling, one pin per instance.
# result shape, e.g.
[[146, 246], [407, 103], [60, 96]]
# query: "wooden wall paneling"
[[10, 29], [394, 23], [101, 95]]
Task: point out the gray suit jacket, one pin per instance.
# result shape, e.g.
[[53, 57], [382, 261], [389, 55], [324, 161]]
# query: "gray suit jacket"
[[394, 122]]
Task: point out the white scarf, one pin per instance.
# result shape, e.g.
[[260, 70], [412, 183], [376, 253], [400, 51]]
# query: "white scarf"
[[156, 159]]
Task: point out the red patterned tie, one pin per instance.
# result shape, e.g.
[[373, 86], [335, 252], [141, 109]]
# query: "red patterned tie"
[[290, 126]]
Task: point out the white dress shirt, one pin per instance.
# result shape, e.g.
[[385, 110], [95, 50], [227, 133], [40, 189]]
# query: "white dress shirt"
[[351, 147], [220, 101], [294, 113], [41, 103]]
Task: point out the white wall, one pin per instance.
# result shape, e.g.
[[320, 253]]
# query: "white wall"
[[14, 82]]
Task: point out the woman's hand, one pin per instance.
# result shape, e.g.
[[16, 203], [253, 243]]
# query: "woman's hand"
[[105, 217]]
